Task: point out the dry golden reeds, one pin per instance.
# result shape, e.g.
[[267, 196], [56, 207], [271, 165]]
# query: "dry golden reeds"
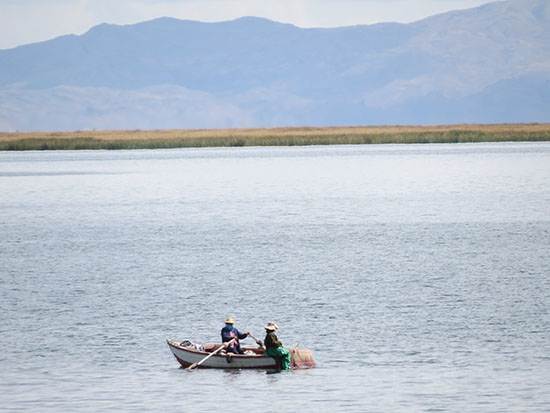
[[140, 139]]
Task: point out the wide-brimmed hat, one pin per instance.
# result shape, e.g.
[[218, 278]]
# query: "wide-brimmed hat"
[[271, 326], [229, 320]]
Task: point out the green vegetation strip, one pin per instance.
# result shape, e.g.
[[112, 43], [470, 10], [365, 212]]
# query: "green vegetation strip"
[[273, 139]]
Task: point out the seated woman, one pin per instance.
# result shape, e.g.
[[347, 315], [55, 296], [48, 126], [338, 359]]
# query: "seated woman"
[[274, 348]]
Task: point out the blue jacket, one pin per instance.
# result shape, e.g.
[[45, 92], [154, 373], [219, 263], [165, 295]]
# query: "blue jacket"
[[227, 335]]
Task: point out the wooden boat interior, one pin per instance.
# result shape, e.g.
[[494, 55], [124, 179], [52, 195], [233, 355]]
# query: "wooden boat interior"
[[209, 348]]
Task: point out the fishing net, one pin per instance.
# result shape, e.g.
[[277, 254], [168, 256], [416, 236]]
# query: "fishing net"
[[301, 358]]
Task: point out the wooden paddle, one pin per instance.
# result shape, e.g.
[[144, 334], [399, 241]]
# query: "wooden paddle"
[[198, 363], [258, 342]]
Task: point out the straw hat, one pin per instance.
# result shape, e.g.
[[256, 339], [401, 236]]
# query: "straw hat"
[[229, 320]]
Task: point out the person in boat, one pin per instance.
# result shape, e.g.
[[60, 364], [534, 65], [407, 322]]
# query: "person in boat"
[[229, 332], [274, 348]]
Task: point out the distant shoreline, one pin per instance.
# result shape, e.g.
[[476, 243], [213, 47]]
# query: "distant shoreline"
[[291, 136]]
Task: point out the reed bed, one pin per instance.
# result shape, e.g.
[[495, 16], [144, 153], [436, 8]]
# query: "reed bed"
[[299, 136]]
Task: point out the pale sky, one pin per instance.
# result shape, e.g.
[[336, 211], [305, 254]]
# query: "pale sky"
[[29, 21]]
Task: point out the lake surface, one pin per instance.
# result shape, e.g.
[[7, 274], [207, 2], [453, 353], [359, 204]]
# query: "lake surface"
[[418, 275]]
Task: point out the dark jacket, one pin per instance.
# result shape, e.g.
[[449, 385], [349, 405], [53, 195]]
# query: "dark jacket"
[[271, 340], [227, 335]]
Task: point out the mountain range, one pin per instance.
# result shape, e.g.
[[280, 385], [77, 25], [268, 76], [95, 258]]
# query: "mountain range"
[[489, 64]]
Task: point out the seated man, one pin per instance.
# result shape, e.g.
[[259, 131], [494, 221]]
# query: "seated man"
[[229, 333]]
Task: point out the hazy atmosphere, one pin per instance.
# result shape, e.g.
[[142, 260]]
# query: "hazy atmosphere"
[[28, 21], [489, 64]]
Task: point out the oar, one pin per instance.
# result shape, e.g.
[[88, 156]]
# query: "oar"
[[258, 342], [198, 363]]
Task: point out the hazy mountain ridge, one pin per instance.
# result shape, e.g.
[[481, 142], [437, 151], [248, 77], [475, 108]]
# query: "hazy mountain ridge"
[[488, 64]]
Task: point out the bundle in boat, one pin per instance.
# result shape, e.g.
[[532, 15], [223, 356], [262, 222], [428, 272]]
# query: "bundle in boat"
[[301, 358]]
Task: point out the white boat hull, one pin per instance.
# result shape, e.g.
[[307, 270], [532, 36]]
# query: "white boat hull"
[[186, 356]]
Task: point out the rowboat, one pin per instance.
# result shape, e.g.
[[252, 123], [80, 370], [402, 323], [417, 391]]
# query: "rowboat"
[[188, 353]]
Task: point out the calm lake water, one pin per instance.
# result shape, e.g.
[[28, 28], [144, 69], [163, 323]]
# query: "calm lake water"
[[418, 275]]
